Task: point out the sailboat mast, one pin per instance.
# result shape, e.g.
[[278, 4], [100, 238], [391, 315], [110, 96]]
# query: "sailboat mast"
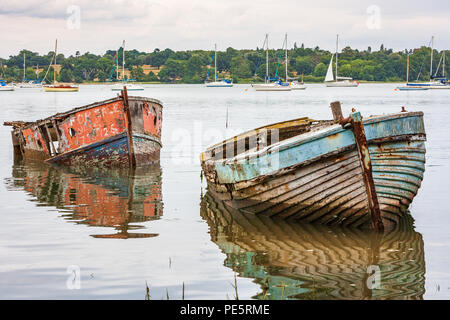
[[116, 62], [123, 61], [337, 41], [407, 69], [54, 64], [215, 62], [286, 58], [431, 62], [443, 66], [24, 67], [267, 57]]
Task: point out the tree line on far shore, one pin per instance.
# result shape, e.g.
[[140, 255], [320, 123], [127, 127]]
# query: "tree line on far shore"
[[243, 66]]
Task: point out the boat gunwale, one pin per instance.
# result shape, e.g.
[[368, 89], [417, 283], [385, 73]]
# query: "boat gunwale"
[[63, 115]]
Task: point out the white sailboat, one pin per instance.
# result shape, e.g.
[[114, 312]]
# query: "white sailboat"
[[331, 81], [129, 86], [270, 86], [223, 83]]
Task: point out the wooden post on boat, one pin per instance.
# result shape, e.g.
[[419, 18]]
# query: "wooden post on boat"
[[126, 108], [366, 164], [337, 111]]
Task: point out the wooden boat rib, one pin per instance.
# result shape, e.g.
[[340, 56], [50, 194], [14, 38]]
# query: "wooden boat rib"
[[119, 132], [291, 260], [313, 171]]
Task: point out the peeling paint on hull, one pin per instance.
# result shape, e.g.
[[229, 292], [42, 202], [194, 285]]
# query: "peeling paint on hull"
[[318, 176]]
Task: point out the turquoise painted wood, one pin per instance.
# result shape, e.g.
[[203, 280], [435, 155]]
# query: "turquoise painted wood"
[[314, 145]]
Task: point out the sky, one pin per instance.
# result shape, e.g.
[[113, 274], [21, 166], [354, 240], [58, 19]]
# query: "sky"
[[99, 25]]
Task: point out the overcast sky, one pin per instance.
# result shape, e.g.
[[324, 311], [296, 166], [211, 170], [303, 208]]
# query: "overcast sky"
[[98, 25]]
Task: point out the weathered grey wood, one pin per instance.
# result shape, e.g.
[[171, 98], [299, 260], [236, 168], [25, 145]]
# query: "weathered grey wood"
[[336, 110]]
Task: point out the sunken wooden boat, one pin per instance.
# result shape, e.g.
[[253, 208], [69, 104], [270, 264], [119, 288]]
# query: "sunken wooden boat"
[[309, 261], [353, 172], [119, 132]]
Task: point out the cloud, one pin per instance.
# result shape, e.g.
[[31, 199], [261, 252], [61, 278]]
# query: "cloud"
[[198, 24]]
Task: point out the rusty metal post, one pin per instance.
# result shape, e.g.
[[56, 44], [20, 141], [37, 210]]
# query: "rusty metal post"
[[366, 164], [126, 108], [336, 110]]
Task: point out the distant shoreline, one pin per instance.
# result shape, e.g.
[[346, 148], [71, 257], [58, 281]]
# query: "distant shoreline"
[[244, 82]]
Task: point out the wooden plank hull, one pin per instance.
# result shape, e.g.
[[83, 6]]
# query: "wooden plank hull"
[[101, 134], [307, 261], [320, 178]]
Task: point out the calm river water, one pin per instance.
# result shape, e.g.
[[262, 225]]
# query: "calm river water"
[[159, 227]]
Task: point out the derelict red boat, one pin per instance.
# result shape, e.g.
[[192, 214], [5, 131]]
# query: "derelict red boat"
[[119, 132]]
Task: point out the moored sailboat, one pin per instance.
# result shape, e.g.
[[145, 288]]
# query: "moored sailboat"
[[407, 87], [333, 81], [129, 86], [435, 82], [59, 87], [277, 85], [219, 83], [28, 84]]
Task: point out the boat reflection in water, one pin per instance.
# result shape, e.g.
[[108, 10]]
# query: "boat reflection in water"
[[306, 261], [115, 198]]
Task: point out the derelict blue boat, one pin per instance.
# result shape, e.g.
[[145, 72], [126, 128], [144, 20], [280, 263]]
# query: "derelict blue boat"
[[362, 172]]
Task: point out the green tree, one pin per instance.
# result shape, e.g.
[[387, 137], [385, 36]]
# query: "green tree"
[[240, 67], [304, 65], [320, 70], [138, 74], [66, 75], [172, 71]]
